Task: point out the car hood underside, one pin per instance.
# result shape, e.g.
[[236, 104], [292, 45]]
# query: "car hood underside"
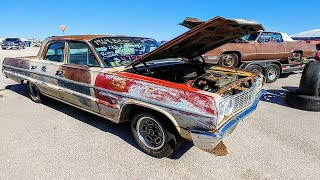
[[202, 37]]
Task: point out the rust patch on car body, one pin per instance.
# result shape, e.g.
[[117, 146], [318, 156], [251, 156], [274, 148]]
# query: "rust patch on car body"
[[118, 85], [76, 73], [15, 62]]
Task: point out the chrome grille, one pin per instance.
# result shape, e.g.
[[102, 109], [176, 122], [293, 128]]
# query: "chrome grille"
[[8, 43], [243, 99]]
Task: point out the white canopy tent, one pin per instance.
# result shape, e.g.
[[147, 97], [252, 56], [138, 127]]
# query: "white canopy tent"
[[312, 34]]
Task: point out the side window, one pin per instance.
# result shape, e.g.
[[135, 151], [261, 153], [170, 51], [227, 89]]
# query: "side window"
[[277, 37], [55, 52], [270, 37], [80, 53]]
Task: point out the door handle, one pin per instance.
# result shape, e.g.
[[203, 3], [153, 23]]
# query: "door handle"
[[33, 67]]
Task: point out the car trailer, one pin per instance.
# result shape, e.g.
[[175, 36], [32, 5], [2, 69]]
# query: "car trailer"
[[272, 69]]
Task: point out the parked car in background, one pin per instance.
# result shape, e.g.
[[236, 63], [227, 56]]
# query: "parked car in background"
[[261, 45], [270, 53], [13, 43], [165, 91]]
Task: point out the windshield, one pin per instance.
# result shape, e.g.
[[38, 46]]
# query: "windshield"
[[12, 39], [121, 51], [251, 37]]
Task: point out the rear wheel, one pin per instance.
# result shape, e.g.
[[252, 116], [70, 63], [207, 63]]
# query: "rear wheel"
[[295, 57], [154, 136], [272, 73], [229, 60], [34, 92]]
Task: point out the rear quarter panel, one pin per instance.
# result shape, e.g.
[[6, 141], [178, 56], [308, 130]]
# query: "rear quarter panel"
[[307, 48], [14, 66]]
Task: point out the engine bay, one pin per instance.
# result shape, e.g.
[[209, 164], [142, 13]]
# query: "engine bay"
[[199, 75]]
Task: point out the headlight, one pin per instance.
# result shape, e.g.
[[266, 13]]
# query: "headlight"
[[226, 106], [229, 105], [221, 110], [259, 82], [257, 85]]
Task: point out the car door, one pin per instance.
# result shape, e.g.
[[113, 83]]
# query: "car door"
[[44, 70], [79, 74], [270, 46]]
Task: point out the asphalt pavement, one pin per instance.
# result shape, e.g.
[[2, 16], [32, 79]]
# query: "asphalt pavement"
[[57, 141]]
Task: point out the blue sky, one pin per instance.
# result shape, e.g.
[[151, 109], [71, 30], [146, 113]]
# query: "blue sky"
[[156, 19]]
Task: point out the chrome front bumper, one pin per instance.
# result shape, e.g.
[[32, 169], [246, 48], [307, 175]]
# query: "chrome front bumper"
[[208, 140], [10, 47]]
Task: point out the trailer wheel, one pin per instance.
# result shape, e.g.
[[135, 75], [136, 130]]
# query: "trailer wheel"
[[303, 102], [229, 60], [272, 73], [255, 67], [310, 80]]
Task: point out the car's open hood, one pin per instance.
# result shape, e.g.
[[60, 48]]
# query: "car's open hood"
[[190, 22], [202, 37]]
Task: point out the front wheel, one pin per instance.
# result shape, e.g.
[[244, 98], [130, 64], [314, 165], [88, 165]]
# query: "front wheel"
[[154, 136], [34, 93], [272, 73], [229, 60]]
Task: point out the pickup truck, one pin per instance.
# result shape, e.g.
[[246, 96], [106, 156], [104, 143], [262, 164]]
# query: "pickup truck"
[[165, 92]]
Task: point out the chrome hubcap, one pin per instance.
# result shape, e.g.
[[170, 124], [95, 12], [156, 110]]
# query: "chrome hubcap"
[[295, 55], [229, 60], [150, 133], [272, 74]]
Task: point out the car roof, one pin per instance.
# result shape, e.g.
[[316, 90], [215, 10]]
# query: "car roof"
[[85, 37]]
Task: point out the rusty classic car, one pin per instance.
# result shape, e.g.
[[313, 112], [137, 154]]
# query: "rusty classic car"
[[261, 45], [165, 92]]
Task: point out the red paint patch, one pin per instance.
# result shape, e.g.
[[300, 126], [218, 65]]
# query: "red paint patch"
[[150, 89]]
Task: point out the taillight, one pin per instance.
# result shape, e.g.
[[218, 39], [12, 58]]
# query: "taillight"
[[318, 55]]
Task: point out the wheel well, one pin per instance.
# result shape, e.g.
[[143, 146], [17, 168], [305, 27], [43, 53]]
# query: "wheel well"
[[131, 109], [236, 52], [298, 51]]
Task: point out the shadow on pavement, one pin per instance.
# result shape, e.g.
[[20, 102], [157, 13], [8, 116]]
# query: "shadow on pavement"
[[122, 130], [277, 96], [285, 75]]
